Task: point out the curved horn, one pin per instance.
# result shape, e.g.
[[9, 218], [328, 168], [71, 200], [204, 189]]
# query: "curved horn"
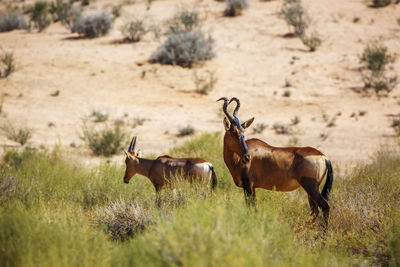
[[132, 145], [224, 108], [237, 106]]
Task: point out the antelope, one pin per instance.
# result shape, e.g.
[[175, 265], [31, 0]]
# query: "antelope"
[[163, 169], [256, 164]]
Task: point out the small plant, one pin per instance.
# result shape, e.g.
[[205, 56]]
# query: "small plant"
[[123, 219], [259, 128], [375, 58], [99, 116], [138, 122], [39, 15], [184, 20], [235, 7], [65, 12], [19, 135], [381, 3], [295, 16], [107, 141], [93, 26], [204, 84], [187, 130], [116, 11], [7, 65], [184, 49], [13, 21], [312, 42], [396, 124], [282, 128], [287, 93], [295, 120], [134, 30], [85, 2]]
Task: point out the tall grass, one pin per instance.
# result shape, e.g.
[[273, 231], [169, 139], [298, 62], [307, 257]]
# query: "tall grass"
[[55, 211]]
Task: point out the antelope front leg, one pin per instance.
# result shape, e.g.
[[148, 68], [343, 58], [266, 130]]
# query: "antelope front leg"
[[249, 191]]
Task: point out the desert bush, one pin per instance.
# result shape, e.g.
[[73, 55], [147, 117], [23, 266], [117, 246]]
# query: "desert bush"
[[183, 20], [40, 15], [116, 11], [7, 64], [187, 130], [99, 116], [134, 30], [312, 42], [295, 16], [12, 21], [185, 49], [205, 83], [281, 128], [381, 3], [123, 219], [235, 7], [93, 25], [259, 128], [106, 141], [19, 135], [65, 12]]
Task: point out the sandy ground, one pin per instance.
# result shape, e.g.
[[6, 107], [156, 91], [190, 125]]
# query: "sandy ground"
[[253, 61]]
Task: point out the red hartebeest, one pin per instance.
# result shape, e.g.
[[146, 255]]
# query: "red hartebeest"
[[256, 164], [163, 169]]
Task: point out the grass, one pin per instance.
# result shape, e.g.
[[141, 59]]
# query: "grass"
[[20, 135], [8, 64], [55, 207], [40, 15]]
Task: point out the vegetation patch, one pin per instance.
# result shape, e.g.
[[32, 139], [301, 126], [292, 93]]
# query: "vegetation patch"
[[93, 26], [12, 21]]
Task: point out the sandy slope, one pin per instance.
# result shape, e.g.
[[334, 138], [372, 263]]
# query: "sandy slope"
[[253, 61]]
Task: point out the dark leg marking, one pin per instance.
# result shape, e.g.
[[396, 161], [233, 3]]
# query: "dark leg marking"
[[313, 206], [311, 187], [248, 192]]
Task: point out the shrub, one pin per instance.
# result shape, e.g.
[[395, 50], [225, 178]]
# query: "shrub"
[[134, 30], [312, 42], [295, 16], [107, 141], [39, 15], [13, 21], [184, 49], [123, 219], [235, 7], [184, 20], [259, 128], [19, 135], [282, 128], [65, 12], [116, 11], [204, 84], [187, 130], [381, 3], [99, 116], [93, 26], [376, 57], [7, 60]]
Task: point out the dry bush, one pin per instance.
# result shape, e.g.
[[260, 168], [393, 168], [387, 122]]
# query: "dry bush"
[[40, 15], [204, 83], [134, 30], [7, 65], [93, 26], [235, 7], [19, 135], [12, 21], [123, 219]]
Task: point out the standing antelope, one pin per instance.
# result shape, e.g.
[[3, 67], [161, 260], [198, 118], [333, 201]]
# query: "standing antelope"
[[255, 164], [163, 169]]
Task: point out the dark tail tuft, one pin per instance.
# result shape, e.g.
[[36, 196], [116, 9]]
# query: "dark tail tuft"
[[214, 180], [329, 180]]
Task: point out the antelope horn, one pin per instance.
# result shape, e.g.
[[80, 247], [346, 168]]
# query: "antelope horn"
[[237, 106], [132, 145], [224, 108]]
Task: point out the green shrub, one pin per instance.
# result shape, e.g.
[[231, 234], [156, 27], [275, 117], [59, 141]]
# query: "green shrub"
[[39, 15], [187, 130], [107, 141], [93, 25], [8, 65], [295, 16], [116, 11], [19, 135], [376, 56], [183, 20], [65, 12], [185, 49], [134, 30], [312, 42], [12, 21], [381, 3], [99, 116], [235, 7]]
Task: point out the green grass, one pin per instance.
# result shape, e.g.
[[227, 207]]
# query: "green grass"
[[56, 212]]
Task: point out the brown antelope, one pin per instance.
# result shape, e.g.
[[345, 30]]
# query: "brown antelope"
[[163, 169], [256, 164]]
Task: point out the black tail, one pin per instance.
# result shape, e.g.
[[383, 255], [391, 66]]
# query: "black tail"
[[214, 180], [329, 180]]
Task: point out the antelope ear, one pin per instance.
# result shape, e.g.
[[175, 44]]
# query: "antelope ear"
[[226, 124], [247, 123], [128, 154], [139, 154]]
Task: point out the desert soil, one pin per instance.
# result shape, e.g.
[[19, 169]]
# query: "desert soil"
[[254, 60]]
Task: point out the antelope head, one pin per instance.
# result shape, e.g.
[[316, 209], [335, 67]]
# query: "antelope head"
[[234, 131], [131, 161]]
